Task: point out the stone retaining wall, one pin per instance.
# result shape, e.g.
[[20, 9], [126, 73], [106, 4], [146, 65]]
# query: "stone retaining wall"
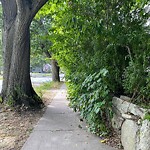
[[128, 121]]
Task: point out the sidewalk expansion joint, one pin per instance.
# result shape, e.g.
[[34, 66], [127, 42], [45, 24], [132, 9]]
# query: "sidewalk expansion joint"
[[59, 130]]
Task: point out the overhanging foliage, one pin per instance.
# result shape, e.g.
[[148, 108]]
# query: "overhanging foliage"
[[92, 36]]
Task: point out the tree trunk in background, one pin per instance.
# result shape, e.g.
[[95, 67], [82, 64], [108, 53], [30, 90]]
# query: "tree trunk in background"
[[55, 71], [17, 16], [55, 67]]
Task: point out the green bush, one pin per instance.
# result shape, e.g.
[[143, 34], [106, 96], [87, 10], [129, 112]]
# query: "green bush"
[[94, 103], [137, 79], [88, 36]]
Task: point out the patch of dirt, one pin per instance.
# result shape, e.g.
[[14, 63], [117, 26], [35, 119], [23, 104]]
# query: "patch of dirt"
[[15, 127], [114, 141]]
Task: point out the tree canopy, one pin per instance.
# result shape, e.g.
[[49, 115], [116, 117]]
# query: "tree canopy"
[[104, 49]]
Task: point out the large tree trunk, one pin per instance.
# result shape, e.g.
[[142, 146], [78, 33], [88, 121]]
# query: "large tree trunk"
[[55, 71], [17, 16]]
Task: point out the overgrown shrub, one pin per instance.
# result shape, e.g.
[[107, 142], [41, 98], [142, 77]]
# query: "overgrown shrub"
[[137, 83], [91, 35], [93, 100]]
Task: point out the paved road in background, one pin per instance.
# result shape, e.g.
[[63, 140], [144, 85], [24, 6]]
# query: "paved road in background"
[[38, 79]]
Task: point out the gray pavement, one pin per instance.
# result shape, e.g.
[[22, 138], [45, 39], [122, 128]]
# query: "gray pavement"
[[61, 129]]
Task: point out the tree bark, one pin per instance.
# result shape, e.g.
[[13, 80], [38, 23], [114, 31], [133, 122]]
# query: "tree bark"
[[17, 16], [55, 71], [55, 67]]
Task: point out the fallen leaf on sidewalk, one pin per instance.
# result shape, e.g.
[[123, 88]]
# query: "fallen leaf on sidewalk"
[[104, 141]]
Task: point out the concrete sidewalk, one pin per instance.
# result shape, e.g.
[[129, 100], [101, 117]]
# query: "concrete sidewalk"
[[61, 129]]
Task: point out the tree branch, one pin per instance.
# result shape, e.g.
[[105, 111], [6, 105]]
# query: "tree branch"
[[36, 5], [47, 53]]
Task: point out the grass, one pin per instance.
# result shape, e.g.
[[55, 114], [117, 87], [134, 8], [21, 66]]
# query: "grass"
[[40, 90], [147, 116]]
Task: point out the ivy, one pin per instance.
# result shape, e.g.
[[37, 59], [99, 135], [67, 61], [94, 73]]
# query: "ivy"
[[94, 103]]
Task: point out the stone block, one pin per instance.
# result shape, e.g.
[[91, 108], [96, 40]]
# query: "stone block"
[[130, 117], [126, 98], [129, 133], [120, 105], [126, 107], [144, 141], [117, 122]]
